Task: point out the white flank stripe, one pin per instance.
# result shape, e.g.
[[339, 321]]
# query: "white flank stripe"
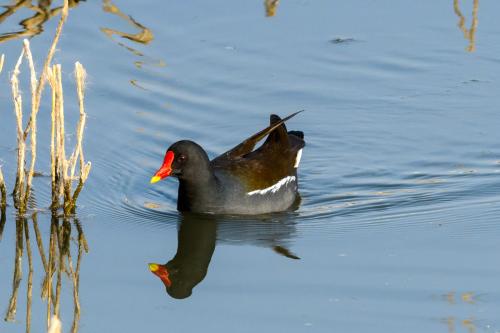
[[274, 188], [297, 159]]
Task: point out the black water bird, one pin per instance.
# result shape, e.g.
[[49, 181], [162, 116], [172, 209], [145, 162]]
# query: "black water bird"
[[242, 180]]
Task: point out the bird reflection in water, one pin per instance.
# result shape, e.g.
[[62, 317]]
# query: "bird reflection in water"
[[197, 238]]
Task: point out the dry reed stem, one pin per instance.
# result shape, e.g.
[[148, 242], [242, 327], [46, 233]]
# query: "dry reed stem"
[[48, 60], [54, 138], [80, 75], [36, 93], [57, 136], [61, 181], [53, 160], [21, 146], [63, 170], [35, 105], [3, 190]]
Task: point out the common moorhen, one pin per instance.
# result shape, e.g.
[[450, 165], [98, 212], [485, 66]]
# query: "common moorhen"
[[242, 180]]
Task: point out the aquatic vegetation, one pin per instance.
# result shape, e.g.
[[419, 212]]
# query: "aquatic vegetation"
[[3, 191], [57, 260], [63, 168]]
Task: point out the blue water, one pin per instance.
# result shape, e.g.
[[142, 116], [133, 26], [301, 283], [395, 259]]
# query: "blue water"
[[397, 229]]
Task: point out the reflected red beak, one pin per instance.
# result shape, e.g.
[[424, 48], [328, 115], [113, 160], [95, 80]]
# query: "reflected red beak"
[[166, 168], [161, 272]]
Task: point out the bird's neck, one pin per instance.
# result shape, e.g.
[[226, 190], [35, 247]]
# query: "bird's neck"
[[197, 192]]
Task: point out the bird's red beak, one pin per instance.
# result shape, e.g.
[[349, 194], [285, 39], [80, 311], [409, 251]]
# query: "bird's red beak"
[[166, 168], [161, 272]]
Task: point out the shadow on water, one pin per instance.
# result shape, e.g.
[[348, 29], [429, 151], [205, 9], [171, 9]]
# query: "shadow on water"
[[55, 254], [197, 238]]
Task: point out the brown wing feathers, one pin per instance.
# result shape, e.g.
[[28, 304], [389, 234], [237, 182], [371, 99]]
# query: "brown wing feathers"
[[248, 145], [268, 164]]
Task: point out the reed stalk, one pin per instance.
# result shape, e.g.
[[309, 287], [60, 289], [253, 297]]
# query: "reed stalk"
[[62, 168], [3, 190], [65, 172], [21, 144]]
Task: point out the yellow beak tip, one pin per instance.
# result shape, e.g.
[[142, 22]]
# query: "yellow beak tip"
[[155, 179], [153, 267]]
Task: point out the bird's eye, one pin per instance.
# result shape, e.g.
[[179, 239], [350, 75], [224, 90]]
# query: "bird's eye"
[[181, 158]]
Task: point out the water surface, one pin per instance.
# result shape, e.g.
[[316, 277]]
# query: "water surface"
[[397, 229]]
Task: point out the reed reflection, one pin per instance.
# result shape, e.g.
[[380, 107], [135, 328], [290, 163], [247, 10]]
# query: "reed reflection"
[[57, 262], [271, 6], [43, 11], [452, 322], [469, 34], [144, 36], [32, 25], [197, 237]]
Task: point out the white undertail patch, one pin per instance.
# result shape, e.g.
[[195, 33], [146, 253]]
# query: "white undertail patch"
[[274, 188], [297, 158]]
